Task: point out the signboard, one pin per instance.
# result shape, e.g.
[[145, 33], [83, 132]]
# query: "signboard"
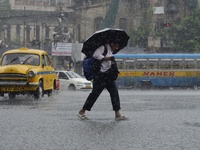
[[61, 49], [154, 42], [77, 55], [158, 10]]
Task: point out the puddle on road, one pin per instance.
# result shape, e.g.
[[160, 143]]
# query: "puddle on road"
[[192, 124], [23, 101]]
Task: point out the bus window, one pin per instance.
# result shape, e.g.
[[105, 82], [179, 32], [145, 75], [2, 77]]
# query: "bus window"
[[165, 64], [153, 64], [141, 64], [177, 64], [130, 64], [198, 64], [190, 63], [120, 63]]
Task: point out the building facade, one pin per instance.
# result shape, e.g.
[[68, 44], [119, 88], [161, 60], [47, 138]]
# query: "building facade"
[[32, 22], [38, 23]]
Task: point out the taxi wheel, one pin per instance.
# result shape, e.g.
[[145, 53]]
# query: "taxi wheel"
[[11, 95], [49, 93], [39, 92], [72, 87]]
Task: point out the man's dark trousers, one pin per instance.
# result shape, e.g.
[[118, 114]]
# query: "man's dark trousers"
[[98, 86]]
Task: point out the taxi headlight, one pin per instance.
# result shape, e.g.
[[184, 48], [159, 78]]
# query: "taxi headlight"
[[31, 74], [79, 83]]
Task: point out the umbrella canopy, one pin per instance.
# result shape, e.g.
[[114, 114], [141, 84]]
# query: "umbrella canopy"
[[103, 37]]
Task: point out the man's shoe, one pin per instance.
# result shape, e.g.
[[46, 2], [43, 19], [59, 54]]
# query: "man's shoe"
[[121, 118], [82, 117]]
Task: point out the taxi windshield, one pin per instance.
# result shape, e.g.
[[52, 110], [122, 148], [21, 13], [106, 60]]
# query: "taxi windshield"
[[20, 58], [73, 74]]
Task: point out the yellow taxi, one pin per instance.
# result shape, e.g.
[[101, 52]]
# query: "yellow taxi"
[[26, 71]]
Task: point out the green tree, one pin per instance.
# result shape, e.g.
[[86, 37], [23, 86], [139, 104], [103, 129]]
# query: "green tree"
[[139, 35], [186, 36], [191, 4], [4, 12]]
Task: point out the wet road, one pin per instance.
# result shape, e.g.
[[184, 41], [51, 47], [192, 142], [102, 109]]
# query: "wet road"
[[158, 120]]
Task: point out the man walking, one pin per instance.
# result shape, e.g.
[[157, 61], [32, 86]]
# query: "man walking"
[[100, 83]]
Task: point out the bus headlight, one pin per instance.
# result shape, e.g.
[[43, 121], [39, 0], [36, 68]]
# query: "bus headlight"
[[31, 74]]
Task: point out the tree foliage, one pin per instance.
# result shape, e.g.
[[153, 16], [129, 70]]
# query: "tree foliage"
[[186, 36], [4, 12], [191, 4], [139, 35]]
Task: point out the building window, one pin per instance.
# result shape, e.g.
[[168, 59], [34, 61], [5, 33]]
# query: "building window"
[[18, 33], [38, 3], [79, 32], [65, 30], [47, 32], [28, 33], [8, 32], [38, 33], [57, 29], [97, 23], [52, 3], [17, 2], [32, 2], [45, 2], [68, 2], [94, 2], [123, 23], [24, 2]]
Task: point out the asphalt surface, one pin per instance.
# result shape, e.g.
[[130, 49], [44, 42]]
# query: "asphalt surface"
[[158, 120]]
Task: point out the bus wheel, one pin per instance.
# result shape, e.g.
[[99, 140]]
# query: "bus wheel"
[[195, 87], [1, 94], [11, 96], [134, 86], [145, 85]]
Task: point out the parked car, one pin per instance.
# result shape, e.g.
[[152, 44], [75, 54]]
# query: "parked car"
[[70, 80], [26, 71]]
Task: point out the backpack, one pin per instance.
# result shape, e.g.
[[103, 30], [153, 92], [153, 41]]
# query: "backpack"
[[111, 74], [91, 66]]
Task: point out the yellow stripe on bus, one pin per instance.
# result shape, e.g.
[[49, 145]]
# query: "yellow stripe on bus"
[[160, 73]]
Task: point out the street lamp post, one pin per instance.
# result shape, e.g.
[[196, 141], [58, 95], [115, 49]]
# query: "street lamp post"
[[24, 34], [42, 39], [5, 28]]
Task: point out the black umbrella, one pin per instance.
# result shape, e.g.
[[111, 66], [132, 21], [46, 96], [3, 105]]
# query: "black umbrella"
[[103, 37]]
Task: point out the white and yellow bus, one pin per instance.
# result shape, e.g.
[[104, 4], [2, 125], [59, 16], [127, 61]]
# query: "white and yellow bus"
[[158, 70]]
